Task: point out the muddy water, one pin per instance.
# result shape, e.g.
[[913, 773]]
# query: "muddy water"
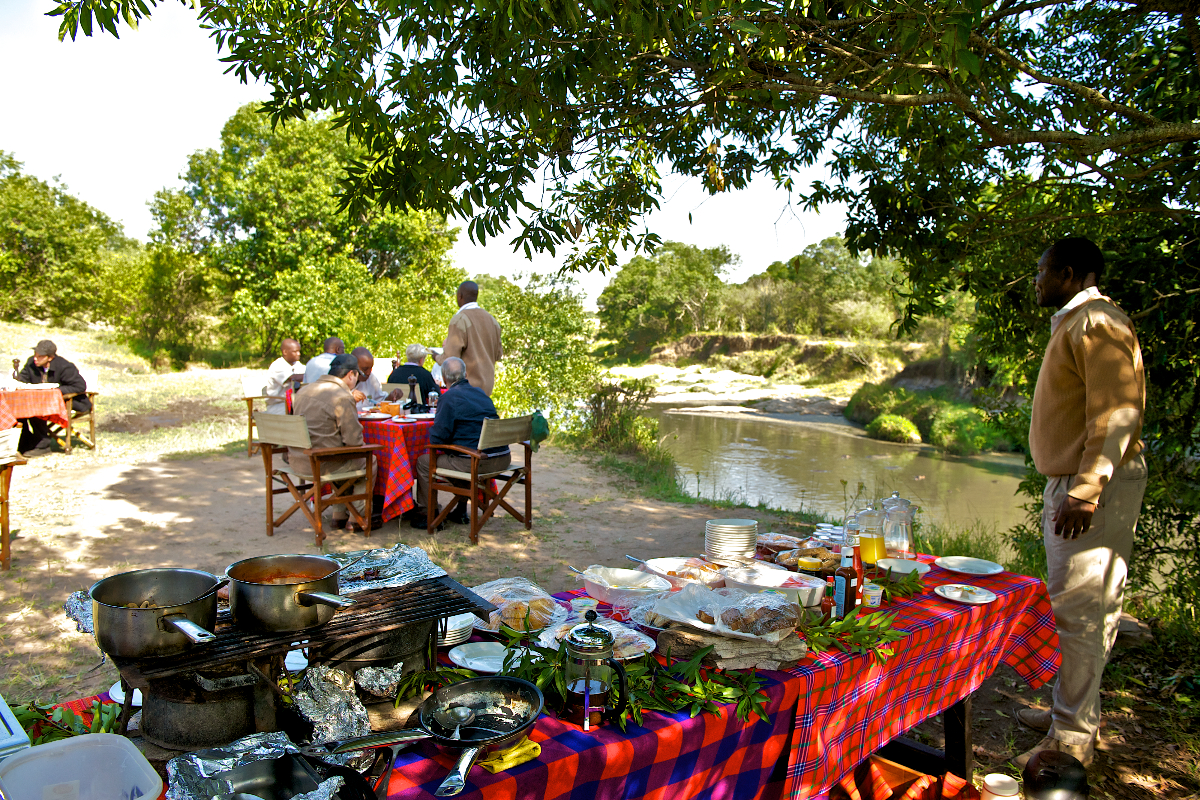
[[794, 465]]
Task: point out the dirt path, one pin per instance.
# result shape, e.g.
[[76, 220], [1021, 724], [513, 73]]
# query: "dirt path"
[[75, 526]]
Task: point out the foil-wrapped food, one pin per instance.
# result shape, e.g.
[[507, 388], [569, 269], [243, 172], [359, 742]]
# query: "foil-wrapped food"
[[385, 568], [202, 775]]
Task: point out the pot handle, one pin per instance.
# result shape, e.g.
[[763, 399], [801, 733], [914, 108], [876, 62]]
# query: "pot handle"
[[622, 689], [323, 599], [363, 742], [191, 630], [456, 781]]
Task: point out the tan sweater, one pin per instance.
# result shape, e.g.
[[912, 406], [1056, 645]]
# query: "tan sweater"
[[328, 409], [474, 336], [1090, 397]]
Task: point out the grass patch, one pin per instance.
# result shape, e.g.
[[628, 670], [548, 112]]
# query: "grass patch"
[[977, 539], [956, 427], [892, 428]]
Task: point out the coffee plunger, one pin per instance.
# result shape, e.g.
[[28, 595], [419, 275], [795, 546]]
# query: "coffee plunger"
[[591, 673]]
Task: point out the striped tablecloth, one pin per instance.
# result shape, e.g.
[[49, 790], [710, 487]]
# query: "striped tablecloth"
[[402, 443], [21, 404]]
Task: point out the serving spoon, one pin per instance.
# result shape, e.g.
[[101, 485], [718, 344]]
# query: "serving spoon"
[[456, 716]]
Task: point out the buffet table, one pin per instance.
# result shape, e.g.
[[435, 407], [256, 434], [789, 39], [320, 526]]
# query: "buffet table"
[[21, 404], [402, 443]]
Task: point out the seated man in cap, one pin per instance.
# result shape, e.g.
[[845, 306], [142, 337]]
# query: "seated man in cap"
[[414, 366], [459, 420], [47, 366], [327, 406]]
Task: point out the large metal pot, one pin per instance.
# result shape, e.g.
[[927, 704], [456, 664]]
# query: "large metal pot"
[[284, 593], [183, 611]]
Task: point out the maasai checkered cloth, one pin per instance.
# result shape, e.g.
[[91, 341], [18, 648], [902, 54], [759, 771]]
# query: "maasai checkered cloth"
[[402, 443], [46, 404]]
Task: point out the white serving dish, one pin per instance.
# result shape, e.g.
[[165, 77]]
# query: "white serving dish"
[[94, 766], [966, 565], [633, 585], [902, 566], [758, 579], [666, 564]]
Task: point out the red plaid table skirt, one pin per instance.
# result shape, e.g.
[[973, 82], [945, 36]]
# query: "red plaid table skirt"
[[402, 443], [21, 404]]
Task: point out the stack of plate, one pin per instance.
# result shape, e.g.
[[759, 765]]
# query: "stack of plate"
[[458, 630], [730, 538]]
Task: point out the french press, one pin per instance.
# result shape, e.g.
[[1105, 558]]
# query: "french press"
[[591, 674]]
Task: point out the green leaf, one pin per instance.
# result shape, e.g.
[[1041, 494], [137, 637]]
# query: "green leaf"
[[745, 27]]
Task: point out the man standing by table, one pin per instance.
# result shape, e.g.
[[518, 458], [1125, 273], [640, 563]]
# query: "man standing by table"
[[319, 365], [284, 370], [47, 366], [1084, 436], [474, 336], [460, 415], [328, 410]]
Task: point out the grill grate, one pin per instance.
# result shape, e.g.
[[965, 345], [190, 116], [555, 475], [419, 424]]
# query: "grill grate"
[[377, 611]]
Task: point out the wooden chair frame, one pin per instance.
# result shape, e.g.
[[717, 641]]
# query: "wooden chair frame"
[[74, 416], [496, 432], [9, 458], [307, 490], [250, 398]]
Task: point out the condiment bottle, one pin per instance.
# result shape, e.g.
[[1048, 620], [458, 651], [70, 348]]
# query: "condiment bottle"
[[808, 565], [845, 587], [827, 603], [858, 572]]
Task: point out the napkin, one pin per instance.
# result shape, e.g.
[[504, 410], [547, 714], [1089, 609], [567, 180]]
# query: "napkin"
[[519, 753]]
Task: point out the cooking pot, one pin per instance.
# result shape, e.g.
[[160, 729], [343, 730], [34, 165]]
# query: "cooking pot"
[[284, 593], [182, 612], [504, 709]]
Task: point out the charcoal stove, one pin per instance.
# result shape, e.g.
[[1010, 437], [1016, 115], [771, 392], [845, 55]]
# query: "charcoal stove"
[[214, 694]]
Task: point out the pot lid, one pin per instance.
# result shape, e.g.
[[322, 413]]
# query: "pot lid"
[[590, 638]]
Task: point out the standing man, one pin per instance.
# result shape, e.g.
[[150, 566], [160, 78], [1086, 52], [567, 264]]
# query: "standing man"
[[288, 368], [319, 365], [1084, 436], [47, 366], [328, 410], [459, 420], [474, 336]]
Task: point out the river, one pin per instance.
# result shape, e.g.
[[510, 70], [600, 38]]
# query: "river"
[[800, 465]]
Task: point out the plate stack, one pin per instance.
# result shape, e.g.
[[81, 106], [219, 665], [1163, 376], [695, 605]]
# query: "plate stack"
[[458, 630], [730, 538]]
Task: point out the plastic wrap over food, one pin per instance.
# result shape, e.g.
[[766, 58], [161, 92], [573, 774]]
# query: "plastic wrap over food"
[[627, 643], [521, 605], [642, 612], [771, 543], [385, 568], [78, 608], [380, 681], [732, 612], [326, 698], [789, 558]]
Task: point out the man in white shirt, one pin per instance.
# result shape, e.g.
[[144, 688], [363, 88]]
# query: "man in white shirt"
[[369, 391], [319, 365], [288, 368]]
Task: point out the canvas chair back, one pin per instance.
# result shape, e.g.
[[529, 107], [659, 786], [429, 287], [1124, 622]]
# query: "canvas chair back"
[[499, 432], [254, 385], [282, 430], [8, 444]]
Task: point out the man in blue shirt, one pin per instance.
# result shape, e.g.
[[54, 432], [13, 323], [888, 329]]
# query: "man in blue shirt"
[[460, 415]]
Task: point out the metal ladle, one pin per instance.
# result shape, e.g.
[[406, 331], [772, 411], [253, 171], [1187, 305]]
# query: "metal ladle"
[[456, 716]]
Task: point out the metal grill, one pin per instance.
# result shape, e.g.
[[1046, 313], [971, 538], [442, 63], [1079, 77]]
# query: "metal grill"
[[377, 611]]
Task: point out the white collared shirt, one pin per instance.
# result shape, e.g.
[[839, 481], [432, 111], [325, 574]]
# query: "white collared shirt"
[[465, 306], [1090, 293]]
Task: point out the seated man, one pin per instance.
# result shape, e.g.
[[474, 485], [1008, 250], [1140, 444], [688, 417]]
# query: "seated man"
[[370, 391], [328, 410], [319, 365], [47, 366], [414, 366], [460, 415], [288, 368]]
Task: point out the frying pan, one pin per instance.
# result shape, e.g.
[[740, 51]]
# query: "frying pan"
[[505, 709]]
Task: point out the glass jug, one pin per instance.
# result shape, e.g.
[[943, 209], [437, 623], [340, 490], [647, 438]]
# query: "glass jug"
[[897, 531], [870, 536], [591, 675]]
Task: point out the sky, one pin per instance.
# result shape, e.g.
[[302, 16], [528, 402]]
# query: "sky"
[[115, 121]]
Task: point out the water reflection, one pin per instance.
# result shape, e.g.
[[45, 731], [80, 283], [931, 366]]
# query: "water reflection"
[[790, 465]]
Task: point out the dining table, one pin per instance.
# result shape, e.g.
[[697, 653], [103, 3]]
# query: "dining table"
[[403, 443], [18, 404]]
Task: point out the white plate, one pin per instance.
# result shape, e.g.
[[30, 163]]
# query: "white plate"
[[430, 415], [295, 661], [483, 657], [375, 416], [965, 565], [37, 385], [962, 593], [403, 419], [117, 694], [902, 566]]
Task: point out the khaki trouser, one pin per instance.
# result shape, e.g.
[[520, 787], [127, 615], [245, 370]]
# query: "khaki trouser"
[[1087, 588], [457, 463], [331, 467]]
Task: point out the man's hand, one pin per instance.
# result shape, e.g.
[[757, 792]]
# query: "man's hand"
[[1073, 517], [358, 396]]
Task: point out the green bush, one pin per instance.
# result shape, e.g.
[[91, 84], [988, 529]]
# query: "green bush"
[[954, 426], [891, 428], [871, 400]]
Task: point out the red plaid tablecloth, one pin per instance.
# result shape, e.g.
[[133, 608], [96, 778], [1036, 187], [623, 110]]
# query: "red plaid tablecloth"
[[402, 443], [24, 403], [850, 706]]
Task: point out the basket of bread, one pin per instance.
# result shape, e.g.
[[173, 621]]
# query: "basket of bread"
[[521, 605]]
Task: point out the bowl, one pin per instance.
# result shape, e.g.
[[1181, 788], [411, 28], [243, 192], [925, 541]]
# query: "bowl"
[[625, 586], [902, 566], [757, 579]]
